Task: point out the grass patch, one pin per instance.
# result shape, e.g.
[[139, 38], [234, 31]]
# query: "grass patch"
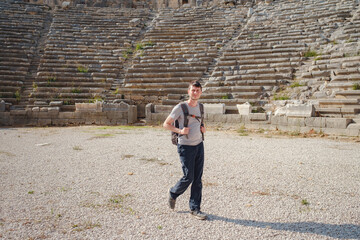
[[117, 202], [84, 226], [356, 86], [34, 86], [282, 97], [30, 192], [7, 154], [126, 156], [77, 148], [305, 202], [154, 160], [96, 99], [104, 135], [17, 95], [75, 90], [311, 53], [296, 84], [242, 131], [82, 69]]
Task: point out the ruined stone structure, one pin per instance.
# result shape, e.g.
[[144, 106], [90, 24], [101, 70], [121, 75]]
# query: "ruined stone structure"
[[270, 63]]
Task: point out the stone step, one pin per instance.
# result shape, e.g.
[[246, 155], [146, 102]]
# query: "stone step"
[[339, 103], [51, 95], [70, 89], [350, 77], [161, 80], [254, 82], [166, 65], [151, 91], [166, 70], [231, 95], [163, 75], [229, 89], [349, 112], [349, 94], [275, 76], [157, 85]]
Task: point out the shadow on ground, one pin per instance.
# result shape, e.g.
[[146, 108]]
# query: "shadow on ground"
[[341, 231]]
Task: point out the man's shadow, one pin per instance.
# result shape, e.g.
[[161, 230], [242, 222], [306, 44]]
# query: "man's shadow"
[[340, 231]]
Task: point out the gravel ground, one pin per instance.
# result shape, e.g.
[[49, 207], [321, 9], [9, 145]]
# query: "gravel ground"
[[112, 183]]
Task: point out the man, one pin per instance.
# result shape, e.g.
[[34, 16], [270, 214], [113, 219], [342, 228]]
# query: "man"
[[191, 150]]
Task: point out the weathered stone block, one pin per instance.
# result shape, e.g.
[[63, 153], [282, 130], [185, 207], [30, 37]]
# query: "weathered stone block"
[[163, 108], [59, 122], [279, 120], [56, 103], [353, 129], [5, 119], [122, 106], [244, 109], [218, 108], [257, 116], [53, 109], [296, 122], [44, 122], [132, 114], [302, 110], [66, 115], [18, 113], [88, 107], [149, 109], [341, 123], [2, 106], [316, 122]]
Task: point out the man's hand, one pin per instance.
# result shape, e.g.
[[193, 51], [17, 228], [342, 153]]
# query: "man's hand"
[[203, 129], [184, 131]]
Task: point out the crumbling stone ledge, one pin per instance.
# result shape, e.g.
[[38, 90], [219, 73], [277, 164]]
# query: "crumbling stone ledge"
[[99, 113], [333, 126]]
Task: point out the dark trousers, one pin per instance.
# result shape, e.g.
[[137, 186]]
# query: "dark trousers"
[[192, 161]]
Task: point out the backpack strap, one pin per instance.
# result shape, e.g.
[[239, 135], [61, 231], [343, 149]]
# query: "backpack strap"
[[186, 115], [202, 118]]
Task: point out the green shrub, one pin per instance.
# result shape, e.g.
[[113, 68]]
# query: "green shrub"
[[75, 90], [356, 86], [296, 84], [283, 97], [82, 69], [139, 46], [17, 95], [311, 53]]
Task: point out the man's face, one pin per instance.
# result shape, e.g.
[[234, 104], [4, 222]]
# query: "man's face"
[[194, 93]]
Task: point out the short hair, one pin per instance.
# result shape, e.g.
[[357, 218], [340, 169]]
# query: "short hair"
[[195, 84]]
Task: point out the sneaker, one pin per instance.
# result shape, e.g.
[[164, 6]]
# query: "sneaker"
[[199, 215], [172, 202]]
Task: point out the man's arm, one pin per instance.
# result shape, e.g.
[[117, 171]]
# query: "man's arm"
[[168, 124]]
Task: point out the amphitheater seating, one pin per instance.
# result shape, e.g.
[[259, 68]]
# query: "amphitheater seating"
[[270, 49], [83, 57], [185, 44], [20, 27]]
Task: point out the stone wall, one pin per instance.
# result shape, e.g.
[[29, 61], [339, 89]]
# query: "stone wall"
[[294, 120], [99, 113]]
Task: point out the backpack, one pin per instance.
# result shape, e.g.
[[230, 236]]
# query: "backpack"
[[174, 135]]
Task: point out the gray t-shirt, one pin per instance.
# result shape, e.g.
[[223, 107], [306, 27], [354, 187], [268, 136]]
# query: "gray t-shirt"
[[194, 136]]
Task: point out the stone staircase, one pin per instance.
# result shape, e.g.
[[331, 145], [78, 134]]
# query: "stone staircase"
[[21, 26], [83, 56], [270, 48], [184, 44]]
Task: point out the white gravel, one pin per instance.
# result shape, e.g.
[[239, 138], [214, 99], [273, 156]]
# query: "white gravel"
[[112, 183]]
